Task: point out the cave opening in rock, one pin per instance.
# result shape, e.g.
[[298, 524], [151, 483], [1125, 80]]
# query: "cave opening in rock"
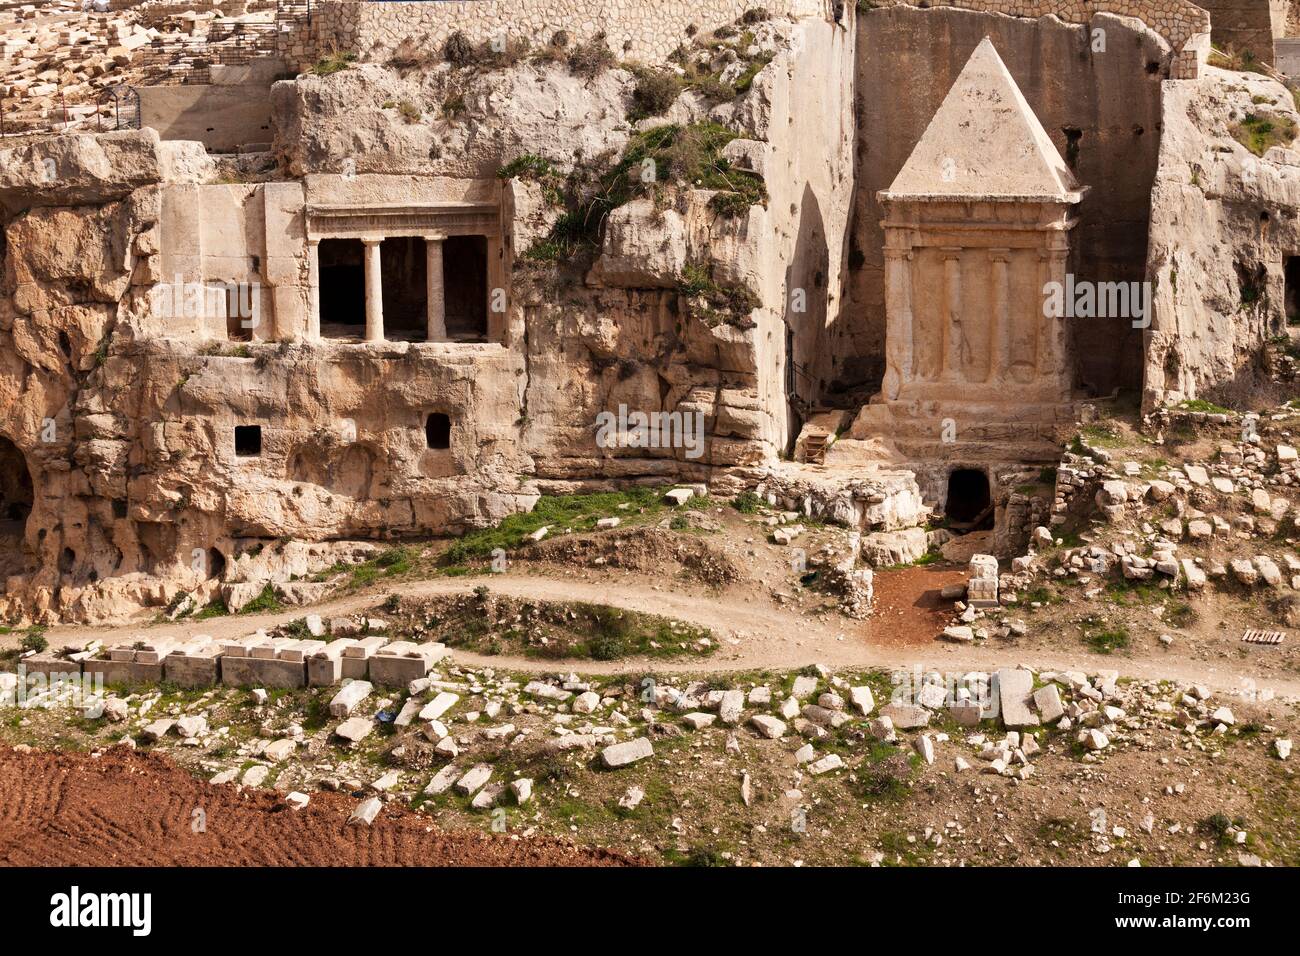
[[248, 441], [969, 505], [465, 291], [15, 485], [216, 563], [437, 430], [404, 265], [342, 289], [16, 498], [1291, 289]]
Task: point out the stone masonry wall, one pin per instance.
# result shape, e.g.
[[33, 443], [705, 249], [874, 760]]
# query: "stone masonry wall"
[[1175, 20], [1246, 25], [651, 31], [636, 30]]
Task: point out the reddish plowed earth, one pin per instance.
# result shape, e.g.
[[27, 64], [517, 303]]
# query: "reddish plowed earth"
[[125, 808], [908, 607]]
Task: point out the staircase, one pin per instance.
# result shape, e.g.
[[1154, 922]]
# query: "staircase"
[[814, 447], [819, 432]]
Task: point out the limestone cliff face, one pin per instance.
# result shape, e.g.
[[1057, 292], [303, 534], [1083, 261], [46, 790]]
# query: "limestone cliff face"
[[121, 428], [1223, 223], [470, 122]]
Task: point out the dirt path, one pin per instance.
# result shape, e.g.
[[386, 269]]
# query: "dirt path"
[[756, 633], [125, 808]]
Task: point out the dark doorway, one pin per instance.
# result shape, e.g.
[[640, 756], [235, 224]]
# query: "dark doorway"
[[406, 290], [342, 288], [1291, 289], [437, 431], [465, 291], [969, 506], [248, 441], [15, 485], [216, 563], [239, 327], [16, 498]]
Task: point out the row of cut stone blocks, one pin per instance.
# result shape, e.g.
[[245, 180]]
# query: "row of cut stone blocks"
[[254, 661]]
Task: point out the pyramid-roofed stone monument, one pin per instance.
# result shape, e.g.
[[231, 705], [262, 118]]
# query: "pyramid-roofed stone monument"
[[977, 229], [984, 142]]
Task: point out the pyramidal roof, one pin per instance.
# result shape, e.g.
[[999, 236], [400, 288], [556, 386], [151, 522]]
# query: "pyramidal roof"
[[984, 142]]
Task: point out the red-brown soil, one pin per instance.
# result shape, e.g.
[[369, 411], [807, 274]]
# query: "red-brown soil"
[[908, 607], [125, 808]]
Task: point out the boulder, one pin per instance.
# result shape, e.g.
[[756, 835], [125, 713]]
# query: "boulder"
[[624, 754]]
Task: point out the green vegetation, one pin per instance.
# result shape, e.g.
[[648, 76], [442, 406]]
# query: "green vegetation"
[[1106, 640], [1201, 405], [747, 503], [560, 513], [655, 92], [409, 111], [714, 304], [34, 640], [1259, 131], [1134, 594], [1101, 436], [1218, 827], [1230, 59], [333, 62], [389, 563], [533, 168], [214, 608], [265, 602], [1041, 595], [669, 156], [554, 630], [454, 106]]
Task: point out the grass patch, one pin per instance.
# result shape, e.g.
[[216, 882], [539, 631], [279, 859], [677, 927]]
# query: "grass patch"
[[560, 513], [552, 630], [1201, 405], [265, 603], [655, 160], [214, 608], [1106, 640], [715, 304], [1260, 131], [1230, 59], [333, 62], [533, 168], [387, 564]]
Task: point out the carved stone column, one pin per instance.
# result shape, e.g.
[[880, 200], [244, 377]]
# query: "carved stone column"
[[374, 290], [1000, 334], [898, 309], [1053, 357], [952, 331], [436, 293], [313, 290]]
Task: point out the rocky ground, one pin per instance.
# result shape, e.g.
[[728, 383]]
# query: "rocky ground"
[[797, 768], [1101, 708]]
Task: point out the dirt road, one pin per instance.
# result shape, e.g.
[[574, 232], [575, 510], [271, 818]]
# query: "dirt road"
[[756, 633]]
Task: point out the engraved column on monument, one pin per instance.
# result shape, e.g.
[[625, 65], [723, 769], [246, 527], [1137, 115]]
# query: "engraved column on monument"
[[953, 345], [313, 290], [374, 290], [1052, 352], [1000, 318], [437, 317], [898, 309]]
